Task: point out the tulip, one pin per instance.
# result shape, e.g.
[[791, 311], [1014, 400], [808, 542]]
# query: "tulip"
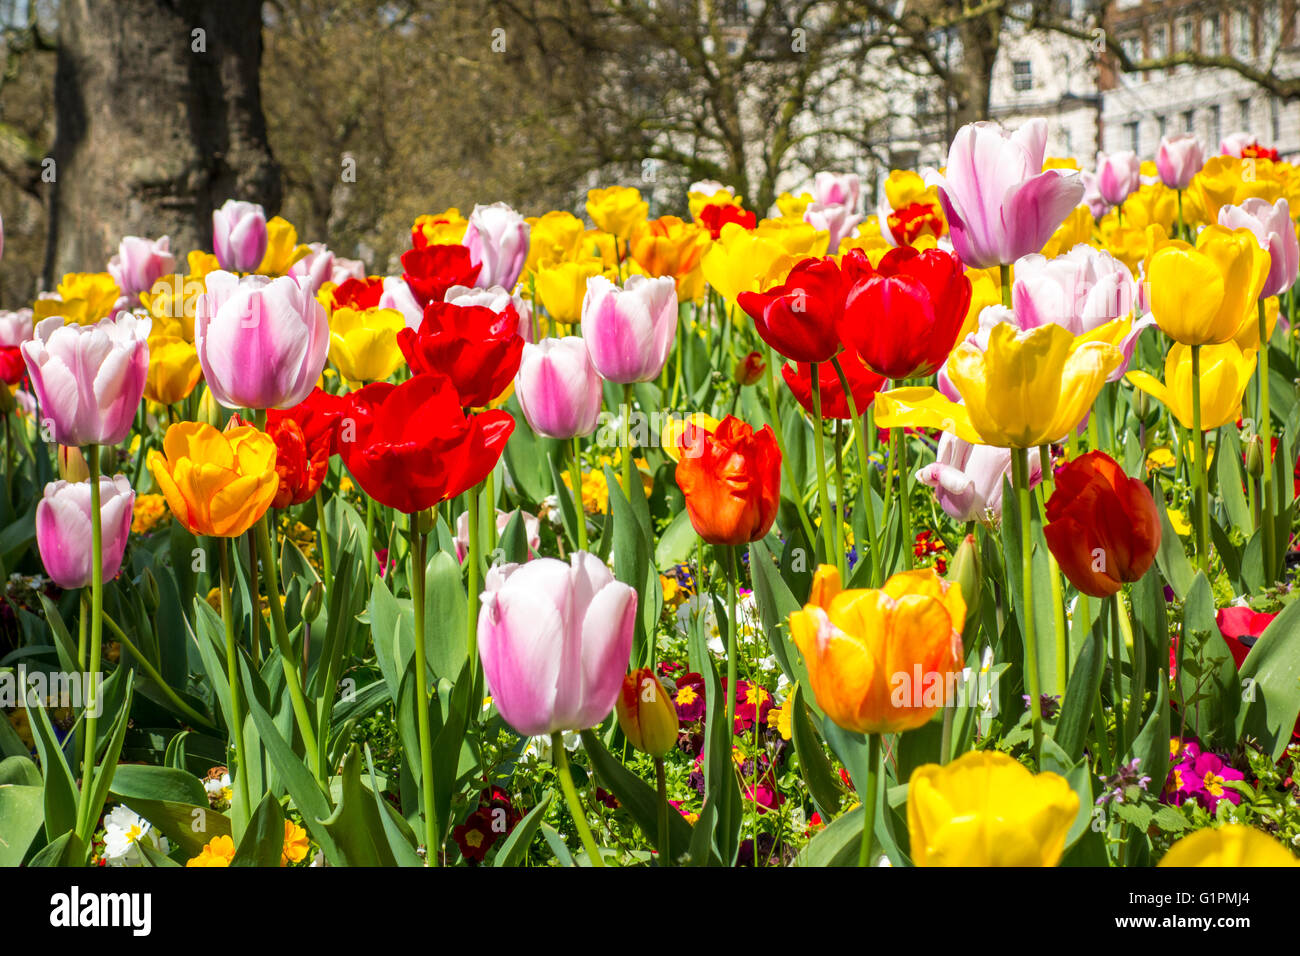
[[799, 318], [555, 641], [318, 265], [262, 342], [63, 529], [282, 248], [558, 388], [999, 201], [987, 809], [478, 349], [1271, 225], [72, 464], [731, 478], [562, 288], [903, 317], [743, 261], [629, 332], [967, 479], [1202, 295], [532, 530], [668, 246], [1118, 175], [89, 378], [1102, 526], [82, 298], [1227, 847], [839, 189], [300, 465], [363, 344], [1225, 373], [863, 382], [140, 263], [716, 215], [396, 294], [495, 298], [411, 445], [173, 369], [1178, 159], [881, 661], [216, 483], [497, 240], [555, 237], [679, 432], [429, 271], [239, 235], [749, 370], [616, 209], [15, 327], [1234, 144], [1227, 181], [647, 714], [832, 218]]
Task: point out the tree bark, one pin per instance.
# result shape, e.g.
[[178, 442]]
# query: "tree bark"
[[158, 121], [979, 39]]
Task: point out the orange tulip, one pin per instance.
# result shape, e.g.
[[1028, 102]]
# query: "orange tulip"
[[216, 483], [881, 661], [731, 477]]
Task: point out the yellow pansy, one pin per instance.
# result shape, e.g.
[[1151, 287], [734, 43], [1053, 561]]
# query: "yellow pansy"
[[1202, 295], [1225, 372], [363, 343], [616, 209], [282, 248], [1229, 846], [82, 298], [986, 809]]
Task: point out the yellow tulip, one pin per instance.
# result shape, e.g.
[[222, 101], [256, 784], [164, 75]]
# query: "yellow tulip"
[[173, 369], [667, 246], [363, 343], [561, 287], [441, 229], [744, 261], [172, 302], [986, 809], [1228, 181], [799, 239], [216, 483], [200, 263], [696, 201], [81, 298], [1060, 162], [792, 207], [1201, 295], [904, 187], [616, 209], [1129, 244], [1225, 372], [1076, 228], [1247, 337], [1152, 203], [674, 429], [1232, 845], [985, 290], [881, 661], [282, 248], [870, 241], [554, 237]]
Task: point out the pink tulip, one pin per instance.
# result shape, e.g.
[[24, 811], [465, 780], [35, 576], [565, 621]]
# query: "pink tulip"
[[1271, 223], [1178, 159], [495, 298], [317, 265], [532, 531], [1092, 197], [1234, 143], [999, 202], [345, 269], [63, 531], [89, 378], [1081, 290], [239, 235], [837, 189], [15, 327], [839, 220], [261, 342], [398, 295], [629, 331], [497, 240], [967, 478], [140, 263], [1118, 175], [555, 640], [558, 388]]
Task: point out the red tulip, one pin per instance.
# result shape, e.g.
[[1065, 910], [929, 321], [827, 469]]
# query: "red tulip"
[[731, 478], [716, 215], [305, 438], [359, 294], [431, 270], [864, 382], [318, 415], [1103, 526], [904, 316], [477, 348], [412, 445], [799, 317], [12, 367]]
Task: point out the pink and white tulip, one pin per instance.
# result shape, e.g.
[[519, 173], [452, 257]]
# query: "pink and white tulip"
[[317, 265], [63, 530], [1118, 175], [239, 235], [1178, 159], [835, 218], [140, 263], [532, 531], [837, 189], [497, 240], [555, 640], [558, 388], [1271, 223], [629, 332], [967, 479]]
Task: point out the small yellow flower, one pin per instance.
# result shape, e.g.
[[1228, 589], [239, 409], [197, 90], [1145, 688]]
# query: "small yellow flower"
[[296, 844], [1159, 458], [781, 718], [220, 851], [148, 512], [1178, 521]]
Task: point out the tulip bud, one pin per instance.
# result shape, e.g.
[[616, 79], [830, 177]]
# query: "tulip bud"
[[149, 590], [311, 605], [749, 369], [966, 572], [72, 465], [209, 411], [1255, 455], [646, 713], [425, 520]]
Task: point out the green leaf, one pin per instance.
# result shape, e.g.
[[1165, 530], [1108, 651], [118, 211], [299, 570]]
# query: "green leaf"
[[516, 844], [263, 840], [445, 607], [356, 826], [720, 786], [1171, 558], [61, 794], [1080, 693], [1152, 745], [814, 766], [1270, 677], [1213, 697], [66, 850], [22, 813], [839, 844], [775, 605], [676, 541]]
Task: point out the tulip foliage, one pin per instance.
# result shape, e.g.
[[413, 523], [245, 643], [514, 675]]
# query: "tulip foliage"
[[950, 529]]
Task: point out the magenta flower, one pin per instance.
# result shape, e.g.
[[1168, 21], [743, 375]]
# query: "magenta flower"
[[63, 531], [555, 640], [558, 388], [1118, 175], [497, 240], [140, 263], [629, 332], [1178, 159], [1271, 223], [999, 202], [239, 235]]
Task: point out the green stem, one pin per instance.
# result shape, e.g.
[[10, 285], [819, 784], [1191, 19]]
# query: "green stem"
[[869, 798], [904, 493], [1266, 435], [627, 441], [431, 841], [829, 538], [471, 622], [1004, 275], [774, 413], [732, 629], [661, 784], [1116, 674], [561, 760], [575, 479], [860, 427], [370, 537], [85, 825], [232, 676], [945, 739], [841, 497], [489, 516], [323, 537], [1020, 464], [1201, 475], [1058, 592]]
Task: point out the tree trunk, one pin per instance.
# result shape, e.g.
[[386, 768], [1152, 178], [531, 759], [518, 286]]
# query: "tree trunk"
[[159, 121], [978, 38]]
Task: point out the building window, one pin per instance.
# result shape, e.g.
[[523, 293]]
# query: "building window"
[[1213, 35], [1186, 36], [1162, 122], [1242, 35], [1275, 119], [1243, 111], [1214, 125], [1189, 118], [1134, 133], [1132, 46], [1159, 40], [1022, 76]]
